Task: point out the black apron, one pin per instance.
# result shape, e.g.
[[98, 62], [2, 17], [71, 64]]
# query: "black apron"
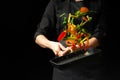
[[90, 69]]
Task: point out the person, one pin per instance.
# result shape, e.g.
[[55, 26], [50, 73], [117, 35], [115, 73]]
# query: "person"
[[51, 25]]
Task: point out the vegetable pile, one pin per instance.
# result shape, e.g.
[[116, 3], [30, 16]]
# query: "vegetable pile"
[[75, 34]]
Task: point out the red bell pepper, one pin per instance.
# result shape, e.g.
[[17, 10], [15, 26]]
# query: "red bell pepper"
[[61, 36]]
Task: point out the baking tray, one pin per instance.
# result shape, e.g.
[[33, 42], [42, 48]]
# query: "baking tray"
[[80, 55]]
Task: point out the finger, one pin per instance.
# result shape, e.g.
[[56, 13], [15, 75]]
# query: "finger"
[[62, 47], [70, 49], [56, 51], [67, 51], [60, 53]]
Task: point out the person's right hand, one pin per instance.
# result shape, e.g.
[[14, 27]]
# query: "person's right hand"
[[58, 48]]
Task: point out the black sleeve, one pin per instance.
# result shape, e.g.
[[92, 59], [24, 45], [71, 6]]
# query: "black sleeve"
[[100, 31], [47, 23]]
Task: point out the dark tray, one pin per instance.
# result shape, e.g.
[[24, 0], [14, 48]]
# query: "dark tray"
[[74, 57]]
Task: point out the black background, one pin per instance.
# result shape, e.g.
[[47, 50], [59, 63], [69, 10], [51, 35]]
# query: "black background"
[[22, 59]]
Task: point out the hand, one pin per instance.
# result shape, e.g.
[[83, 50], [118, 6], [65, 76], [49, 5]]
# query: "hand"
[[66, 51], [59, 49]]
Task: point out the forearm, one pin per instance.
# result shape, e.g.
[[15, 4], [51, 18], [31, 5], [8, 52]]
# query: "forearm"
[[42, 41], [56, 47]]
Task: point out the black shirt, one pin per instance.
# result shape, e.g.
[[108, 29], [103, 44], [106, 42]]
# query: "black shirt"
[[51, 26], [51, 22]]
